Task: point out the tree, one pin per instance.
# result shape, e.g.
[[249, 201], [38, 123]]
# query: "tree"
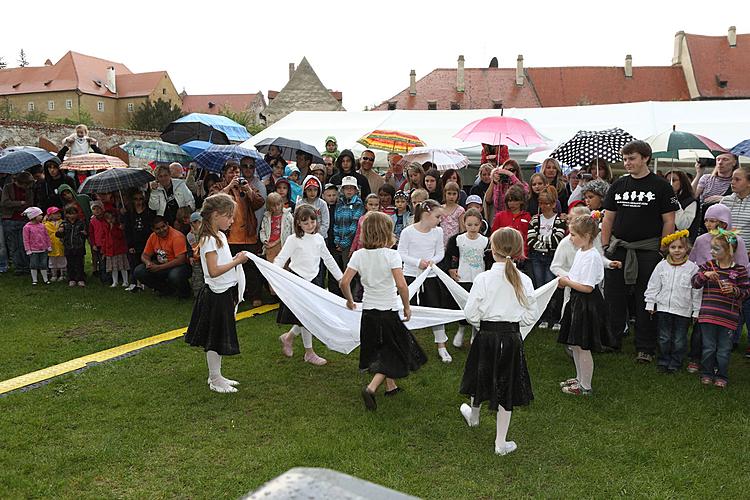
[[35, 116], [22, 62], [155, 115], [3, 64], [84, 117]]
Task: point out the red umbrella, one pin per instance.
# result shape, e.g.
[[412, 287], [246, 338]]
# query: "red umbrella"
[[497, 130]]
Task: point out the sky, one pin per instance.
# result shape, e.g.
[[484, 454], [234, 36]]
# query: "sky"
[[364, 49]]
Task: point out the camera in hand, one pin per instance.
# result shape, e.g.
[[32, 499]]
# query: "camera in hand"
[[241, 181], [707, 162]]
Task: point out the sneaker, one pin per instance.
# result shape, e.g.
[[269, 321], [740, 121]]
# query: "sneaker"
[[576, 390], [125, 285], [445, 356], [314, 359], [34, 283], [510, 447], [466, 413], [570, 381], [693, 367], [543, 325], [131, 287], [720, 383], [82, 284], [71, 283], [47, 282], [113, 285], [706, 380], [644, 358], [556, 327]]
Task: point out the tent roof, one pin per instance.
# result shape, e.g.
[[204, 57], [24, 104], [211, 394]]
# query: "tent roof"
[[234, 131]]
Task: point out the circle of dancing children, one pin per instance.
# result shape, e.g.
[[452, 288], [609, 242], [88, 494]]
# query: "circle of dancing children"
[[501, 300], [388, 350], [212, 324], [303, 250], [672, 298], [420, 246], [584, 324], [725, 285]]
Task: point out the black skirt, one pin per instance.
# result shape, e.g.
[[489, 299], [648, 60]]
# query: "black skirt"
[[496, 369], [585, 322], [284, 315], [212, 324], [387, 346], [429, 295]]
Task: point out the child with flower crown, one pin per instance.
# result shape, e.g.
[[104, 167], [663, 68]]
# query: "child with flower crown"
[[672, 299]]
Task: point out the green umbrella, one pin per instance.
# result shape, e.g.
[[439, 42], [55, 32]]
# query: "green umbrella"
[[158, 151]]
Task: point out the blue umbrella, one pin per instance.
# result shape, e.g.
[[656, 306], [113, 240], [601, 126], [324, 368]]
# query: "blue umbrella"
[[17, 159], [217, 129], [742, 149], [214, 158], [194, 148]]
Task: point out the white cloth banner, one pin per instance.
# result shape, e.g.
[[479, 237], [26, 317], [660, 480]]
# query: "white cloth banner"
[[326, 314]]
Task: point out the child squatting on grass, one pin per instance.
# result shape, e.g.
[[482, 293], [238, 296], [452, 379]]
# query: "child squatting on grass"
[[388, 350], [212, 324]]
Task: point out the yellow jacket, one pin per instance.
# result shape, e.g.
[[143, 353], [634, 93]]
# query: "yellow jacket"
[[57, 246]]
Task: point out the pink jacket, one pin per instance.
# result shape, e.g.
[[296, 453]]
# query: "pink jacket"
[[36, 238]]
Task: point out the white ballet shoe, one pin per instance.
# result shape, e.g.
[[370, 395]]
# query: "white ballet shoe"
[[458, 340], [509, 447], [445, 356], [227, 381], [221, 387], [466, 413]]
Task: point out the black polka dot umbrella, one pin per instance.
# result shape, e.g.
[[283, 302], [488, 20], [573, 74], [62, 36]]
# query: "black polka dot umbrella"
[[588, 145]]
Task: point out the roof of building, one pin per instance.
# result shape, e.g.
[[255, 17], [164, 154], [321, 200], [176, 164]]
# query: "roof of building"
[[76, 71], [213, 103], [715, 62], [575, 86]]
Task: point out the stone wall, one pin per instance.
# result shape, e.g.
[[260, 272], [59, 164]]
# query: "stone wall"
[[23, 133]]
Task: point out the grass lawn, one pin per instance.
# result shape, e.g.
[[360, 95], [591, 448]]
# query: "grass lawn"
[[148, 427]]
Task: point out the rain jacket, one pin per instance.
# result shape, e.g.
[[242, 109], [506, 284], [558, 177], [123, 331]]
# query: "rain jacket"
[[345, 220], [35, 238], [73, 237], [57, 245], [320, 206], [84, 202], [295, 190]]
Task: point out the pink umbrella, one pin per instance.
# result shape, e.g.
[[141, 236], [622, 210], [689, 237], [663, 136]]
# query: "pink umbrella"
[[500, 130]]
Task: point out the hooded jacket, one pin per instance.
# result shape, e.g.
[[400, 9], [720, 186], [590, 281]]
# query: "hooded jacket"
[[348, 212], [364, 184], [335, 153], [295, 190], [701, 252], [320, 206], [84, 202]]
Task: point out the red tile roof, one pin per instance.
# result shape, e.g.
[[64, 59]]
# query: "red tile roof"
[[138, 84], [714, 61], [482, 87], [575, 86], [235, 102]]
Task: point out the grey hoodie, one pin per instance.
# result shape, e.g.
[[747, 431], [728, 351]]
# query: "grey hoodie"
[[320, 206]]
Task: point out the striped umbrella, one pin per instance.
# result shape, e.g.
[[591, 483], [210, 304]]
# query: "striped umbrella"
[[588, 145], [214, 158], [159, 151], [443, 159], [92, 161], [391, 141], [116, 179], [680, 145]]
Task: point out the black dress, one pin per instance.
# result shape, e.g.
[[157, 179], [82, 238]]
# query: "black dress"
[[585, 322], [387, 346], [496, 369], [212, 324]]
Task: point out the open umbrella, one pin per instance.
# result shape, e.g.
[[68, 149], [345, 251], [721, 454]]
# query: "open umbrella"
[[19, 158], [392, 141], [159, 151], [681, 145], [588, 145], [216, 129], [289, 148], [742, 149], [496, 130], [214, 158], [443, 159], [92, 161], [194, 148], [116, 179]]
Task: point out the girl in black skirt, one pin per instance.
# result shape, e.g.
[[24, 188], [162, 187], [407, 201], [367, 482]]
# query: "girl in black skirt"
[[584, 324], [387, 348], [212, 324], [501, 300]]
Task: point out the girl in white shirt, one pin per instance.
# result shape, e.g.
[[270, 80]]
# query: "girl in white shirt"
[[501, 300], [303, 250], [212, 324], [584, 324], [421, 245], [388, 350]]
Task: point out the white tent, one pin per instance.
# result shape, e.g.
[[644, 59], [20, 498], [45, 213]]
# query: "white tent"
[[726, 122]]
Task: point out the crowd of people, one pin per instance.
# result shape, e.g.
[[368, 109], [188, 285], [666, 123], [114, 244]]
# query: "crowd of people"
[[645, 253]]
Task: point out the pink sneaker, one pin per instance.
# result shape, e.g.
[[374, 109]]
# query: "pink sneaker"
[[286, 344], [314, 359]]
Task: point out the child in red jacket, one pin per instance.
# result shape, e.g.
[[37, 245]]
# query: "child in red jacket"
[[517, 217], [97, 232], [115, 249]]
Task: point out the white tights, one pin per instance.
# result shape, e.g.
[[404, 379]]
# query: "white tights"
[[439, 332], [306, 335], [34, 275], [214, 365], [503, 422], [584, 366], [124, 274]]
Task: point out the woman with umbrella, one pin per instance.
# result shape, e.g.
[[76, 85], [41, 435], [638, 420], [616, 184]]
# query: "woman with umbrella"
[[168, 195], [501, 180]]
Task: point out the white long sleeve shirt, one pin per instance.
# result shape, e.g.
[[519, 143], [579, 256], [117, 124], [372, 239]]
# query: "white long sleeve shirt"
[[566, 253], [304, 256], [414, 245], [492, 298], [670, 289]]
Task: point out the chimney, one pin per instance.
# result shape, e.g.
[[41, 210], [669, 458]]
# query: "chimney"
[[460, 74], [413, 83], [291, 70], [519, 70], [677, 57], [628, 66], [110, 80], [732, 36]]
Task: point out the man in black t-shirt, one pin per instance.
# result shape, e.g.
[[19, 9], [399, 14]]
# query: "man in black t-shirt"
[[639, 211]]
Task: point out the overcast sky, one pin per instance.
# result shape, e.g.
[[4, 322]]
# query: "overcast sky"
[[364, 49]]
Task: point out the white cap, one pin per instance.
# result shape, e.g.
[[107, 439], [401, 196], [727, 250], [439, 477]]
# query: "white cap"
[[349, 180]]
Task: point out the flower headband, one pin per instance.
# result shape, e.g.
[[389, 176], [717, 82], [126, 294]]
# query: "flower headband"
[[729, 235], [668, 239], [596, 215]]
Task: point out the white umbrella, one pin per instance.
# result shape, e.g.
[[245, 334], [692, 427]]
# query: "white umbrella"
[[443, 159]]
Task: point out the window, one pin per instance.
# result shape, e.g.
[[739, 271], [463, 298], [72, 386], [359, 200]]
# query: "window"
[[455, 105], [30, 106], [131, 107], [68, 103], [392, 105], [100, 106], [50, 105], [163, 91], [432, 105], [497, 104]]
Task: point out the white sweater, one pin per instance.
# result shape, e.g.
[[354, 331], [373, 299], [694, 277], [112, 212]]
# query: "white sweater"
[[414, 245], [304, 256], [670, 289], [566, 253]]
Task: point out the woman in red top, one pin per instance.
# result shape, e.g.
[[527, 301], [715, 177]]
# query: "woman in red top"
[[515, 216]]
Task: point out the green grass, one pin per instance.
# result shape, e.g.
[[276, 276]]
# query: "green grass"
[[147, 426]]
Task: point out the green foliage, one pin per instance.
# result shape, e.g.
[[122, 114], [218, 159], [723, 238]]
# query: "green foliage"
[[84, 117], [7, 112], [255, 129], [245, 118], [22, 61], [35, 116], [155, 115]]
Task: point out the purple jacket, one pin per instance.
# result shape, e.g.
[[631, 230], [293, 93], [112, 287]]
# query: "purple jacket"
[[701, 252], [36, 238]]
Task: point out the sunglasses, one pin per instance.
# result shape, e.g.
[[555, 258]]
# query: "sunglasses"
[[367, 158]]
